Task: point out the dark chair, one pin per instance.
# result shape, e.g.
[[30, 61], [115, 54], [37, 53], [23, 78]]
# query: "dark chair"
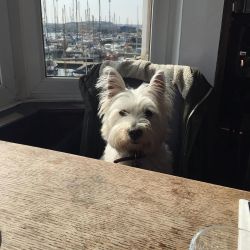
[[191, 101]]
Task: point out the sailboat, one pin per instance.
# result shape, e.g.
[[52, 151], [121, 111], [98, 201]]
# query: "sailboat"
[[51, 67]]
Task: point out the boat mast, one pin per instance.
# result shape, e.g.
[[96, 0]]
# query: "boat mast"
[[45, 18], [46, 26], [99, 20], [55, 15], [109, 11], [64, 37], [88, 16], [110, 28], [76, 21], [64, 29], [137, 29]]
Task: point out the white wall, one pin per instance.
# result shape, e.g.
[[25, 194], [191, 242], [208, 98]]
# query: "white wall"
[[187, 32], [200, 34]]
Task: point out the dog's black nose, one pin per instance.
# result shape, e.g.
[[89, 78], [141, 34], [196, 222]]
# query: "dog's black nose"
[[135, 134]]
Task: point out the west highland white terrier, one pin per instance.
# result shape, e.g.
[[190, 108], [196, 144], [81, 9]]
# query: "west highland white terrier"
[[135, 121]]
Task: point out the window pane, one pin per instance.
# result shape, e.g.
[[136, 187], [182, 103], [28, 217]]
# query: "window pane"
[[80, 33]]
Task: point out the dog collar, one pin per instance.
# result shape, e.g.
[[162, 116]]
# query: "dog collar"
[[133, 157]]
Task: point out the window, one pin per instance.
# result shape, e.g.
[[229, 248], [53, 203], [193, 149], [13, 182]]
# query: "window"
[[80, 33], [30, 26], [166, 38], [28, 47]]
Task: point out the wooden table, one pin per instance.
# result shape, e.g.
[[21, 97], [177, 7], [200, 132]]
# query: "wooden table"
[[52, 200]]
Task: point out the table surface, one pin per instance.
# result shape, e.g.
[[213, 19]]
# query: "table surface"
[[52, 200]]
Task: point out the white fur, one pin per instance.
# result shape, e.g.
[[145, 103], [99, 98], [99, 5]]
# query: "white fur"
[[134, 104]]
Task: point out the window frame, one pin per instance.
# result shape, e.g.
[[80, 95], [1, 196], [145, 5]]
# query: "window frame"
[[166, 21], [53, 88], [7, 76], [31, 59], [146, 28], [39, 86]]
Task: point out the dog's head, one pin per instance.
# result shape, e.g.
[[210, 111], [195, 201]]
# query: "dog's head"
[[133, 120]]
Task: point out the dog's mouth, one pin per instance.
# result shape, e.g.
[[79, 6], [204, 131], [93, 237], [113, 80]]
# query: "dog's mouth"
[[135, 142], [134, 146], [138, 146]]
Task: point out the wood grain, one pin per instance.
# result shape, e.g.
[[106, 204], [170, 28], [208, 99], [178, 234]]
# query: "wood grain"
[[52, 200]]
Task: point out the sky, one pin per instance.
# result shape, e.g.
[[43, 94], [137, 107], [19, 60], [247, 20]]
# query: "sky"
[[125, 10]]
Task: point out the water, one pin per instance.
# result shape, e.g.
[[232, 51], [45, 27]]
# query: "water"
[[63, 73]]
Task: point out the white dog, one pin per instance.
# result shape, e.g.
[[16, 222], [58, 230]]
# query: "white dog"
[[135, 121]]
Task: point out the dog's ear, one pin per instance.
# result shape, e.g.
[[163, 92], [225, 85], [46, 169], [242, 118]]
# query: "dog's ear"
[[157, 85], [110, 82], [158, 82]]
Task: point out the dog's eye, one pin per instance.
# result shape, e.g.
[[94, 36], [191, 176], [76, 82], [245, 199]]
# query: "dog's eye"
[[123, 113], [148, 113]]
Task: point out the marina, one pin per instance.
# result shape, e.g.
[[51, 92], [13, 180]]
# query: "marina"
[[73, 45]]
